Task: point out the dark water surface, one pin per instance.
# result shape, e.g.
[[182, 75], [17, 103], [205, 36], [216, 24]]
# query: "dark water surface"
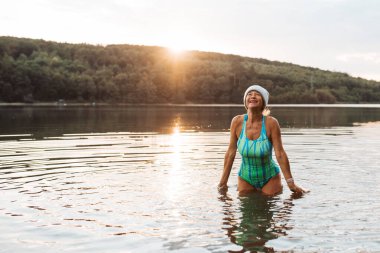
[[55, 121], [143, 179]]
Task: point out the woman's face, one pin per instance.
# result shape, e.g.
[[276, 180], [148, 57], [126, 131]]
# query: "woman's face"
[[254, 100]]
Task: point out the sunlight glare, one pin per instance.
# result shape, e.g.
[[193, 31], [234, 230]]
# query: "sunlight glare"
[[176, 130], [176, 50], [175, 174], [178, 45]]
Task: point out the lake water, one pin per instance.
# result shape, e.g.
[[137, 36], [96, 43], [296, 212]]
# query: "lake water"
[[143, 179]]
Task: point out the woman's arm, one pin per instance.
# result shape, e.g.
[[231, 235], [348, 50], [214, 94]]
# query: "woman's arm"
[[281, 156], [229, 157]]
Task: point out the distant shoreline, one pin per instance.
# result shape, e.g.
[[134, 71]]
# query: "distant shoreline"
[[87, 104], [38, 71]]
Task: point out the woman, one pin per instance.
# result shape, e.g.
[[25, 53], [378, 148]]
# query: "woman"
[[254, 135]]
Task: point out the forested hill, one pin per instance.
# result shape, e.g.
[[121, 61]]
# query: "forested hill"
[[38, 71]]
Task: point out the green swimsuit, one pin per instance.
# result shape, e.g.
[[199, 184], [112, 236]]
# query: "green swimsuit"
[[257, 166]]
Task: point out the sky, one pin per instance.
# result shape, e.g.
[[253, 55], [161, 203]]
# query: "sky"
[[335, 35]]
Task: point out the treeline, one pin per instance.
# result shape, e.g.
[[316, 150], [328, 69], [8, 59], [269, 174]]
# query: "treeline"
[[38, 71]]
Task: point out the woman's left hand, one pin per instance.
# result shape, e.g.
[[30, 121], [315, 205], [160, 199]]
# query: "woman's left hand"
[[297, 189]]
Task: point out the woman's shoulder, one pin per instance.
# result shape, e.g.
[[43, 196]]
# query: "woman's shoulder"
[[272, 121], [238, 119]]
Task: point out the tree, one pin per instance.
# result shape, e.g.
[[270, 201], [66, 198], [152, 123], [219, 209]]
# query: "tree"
[[47, 71]]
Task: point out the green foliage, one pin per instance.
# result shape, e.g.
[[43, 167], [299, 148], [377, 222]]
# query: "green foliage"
[[37, 70]]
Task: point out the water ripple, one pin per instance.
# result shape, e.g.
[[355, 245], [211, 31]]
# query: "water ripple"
[[149, 191]]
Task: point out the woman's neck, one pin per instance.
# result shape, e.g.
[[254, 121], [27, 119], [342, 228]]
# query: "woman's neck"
[[254, 115]]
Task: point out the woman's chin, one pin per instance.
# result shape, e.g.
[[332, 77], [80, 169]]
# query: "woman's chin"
[[254, 106]]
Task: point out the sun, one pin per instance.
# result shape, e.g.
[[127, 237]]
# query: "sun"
[[176, 50], [177, 45]]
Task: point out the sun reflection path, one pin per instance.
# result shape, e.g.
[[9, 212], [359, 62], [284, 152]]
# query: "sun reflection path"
[[175, 175]]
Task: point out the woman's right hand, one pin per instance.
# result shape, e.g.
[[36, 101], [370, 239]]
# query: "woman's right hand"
[[222, 188]]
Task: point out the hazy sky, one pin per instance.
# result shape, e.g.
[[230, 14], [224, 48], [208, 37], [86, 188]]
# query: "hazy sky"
[[337, 35]]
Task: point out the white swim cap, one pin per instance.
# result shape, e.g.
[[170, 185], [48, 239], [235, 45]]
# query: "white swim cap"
[[263, 92]]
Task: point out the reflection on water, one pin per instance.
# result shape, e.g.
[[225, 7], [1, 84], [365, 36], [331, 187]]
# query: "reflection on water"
[[176, 179], [134, 191], [55, 121], [80, 187], [255, 220]]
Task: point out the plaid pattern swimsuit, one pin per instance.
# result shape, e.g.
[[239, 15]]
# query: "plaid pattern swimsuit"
[[257, 166]]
